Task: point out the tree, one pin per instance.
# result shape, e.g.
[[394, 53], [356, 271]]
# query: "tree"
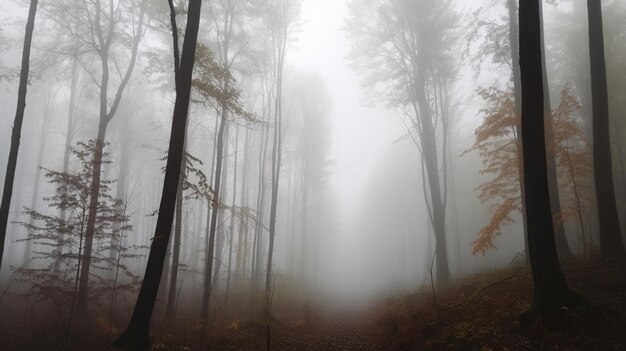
[[403, 50], [501, 43], [229, 31], [101, 30], [17, 127], [58, 282], [551, 291], [281, 20], [499, 144], [611, 241], [136, 336]]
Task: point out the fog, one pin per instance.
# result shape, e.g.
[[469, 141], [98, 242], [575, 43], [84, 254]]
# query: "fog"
[[371, 151]]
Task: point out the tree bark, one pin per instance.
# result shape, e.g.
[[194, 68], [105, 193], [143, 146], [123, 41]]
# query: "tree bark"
[[136, 336], [550, 288], [17, 127], [611, 243]]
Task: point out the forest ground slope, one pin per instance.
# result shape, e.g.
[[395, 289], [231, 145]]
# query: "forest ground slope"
[[478, 313]]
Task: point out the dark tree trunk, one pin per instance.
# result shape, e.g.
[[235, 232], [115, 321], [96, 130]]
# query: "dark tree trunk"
[[611, 244], [562, 247], [136, 336], [17, 127], [550, 288]]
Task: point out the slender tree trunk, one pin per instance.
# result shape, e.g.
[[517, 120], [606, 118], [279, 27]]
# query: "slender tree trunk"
[[429, 150], [208, 242], [136, 336], [214, 216], [220, 237], [17, 127], [276, 160], [231, 232], [611, 243], [257, 261], [242, 246], [550, 288]]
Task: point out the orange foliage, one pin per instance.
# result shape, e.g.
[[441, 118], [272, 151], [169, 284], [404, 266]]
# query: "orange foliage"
[[499, 145]]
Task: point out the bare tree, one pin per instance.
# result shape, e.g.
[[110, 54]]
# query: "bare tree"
[[136, 336]]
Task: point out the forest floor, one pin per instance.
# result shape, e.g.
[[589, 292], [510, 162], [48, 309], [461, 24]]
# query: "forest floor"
[[478, 313]]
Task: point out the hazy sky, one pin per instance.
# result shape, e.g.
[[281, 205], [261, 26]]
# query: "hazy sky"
[[360, 133]]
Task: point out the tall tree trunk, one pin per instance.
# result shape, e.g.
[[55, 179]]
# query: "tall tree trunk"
[[517, 91], [276, 161], [562, 247], [231, 240], [206, 297], [209, 242], [136, 336], [106, 113], [242, 246], [17, 127], [429, 150], [611, 243], [220, 236], [550, 288], [257, 260]]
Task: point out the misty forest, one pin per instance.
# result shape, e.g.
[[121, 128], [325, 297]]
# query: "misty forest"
[[313, 175]]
